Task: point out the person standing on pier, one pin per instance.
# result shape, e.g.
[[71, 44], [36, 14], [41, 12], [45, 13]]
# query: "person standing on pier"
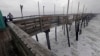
[[10, 17]]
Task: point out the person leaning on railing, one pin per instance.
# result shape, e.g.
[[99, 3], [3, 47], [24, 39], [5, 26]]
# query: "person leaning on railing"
[[10, 17]]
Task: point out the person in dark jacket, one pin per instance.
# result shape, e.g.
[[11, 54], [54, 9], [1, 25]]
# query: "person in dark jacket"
[[10, 17]]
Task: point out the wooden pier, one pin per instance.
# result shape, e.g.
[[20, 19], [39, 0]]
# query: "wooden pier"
[[18, 34]]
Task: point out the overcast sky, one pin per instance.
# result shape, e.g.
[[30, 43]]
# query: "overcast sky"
[[30, 6]]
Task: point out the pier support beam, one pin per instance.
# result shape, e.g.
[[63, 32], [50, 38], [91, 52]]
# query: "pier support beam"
[[47, 37], [76, 29], [68, 35], [56, 33], [37, 37], [64, 28]]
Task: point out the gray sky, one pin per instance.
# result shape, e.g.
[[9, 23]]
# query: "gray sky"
[[30, 6]]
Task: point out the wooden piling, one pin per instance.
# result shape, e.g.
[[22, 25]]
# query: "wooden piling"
[[80, 30], [64, 28], [56, 22], [67, 24], [77, 22], [47, 38], [37, 37], [56, 33]]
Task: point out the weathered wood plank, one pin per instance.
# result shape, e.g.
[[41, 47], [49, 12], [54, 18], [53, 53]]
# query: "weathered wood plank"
[[34, 46]]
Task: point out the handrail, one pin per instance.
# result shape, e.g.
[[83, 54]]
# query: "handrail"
[[36, 48]]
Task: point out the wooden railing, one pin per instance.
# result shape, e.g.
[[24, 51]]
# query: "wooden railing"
[[26, 45]]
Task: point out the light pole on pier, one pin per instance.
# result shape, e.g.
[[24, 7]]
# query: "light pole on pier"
[[21, 8], [43, 10]]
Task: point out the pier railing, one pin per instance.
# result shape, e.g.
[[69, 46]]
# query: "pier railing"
[[26, 46]]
